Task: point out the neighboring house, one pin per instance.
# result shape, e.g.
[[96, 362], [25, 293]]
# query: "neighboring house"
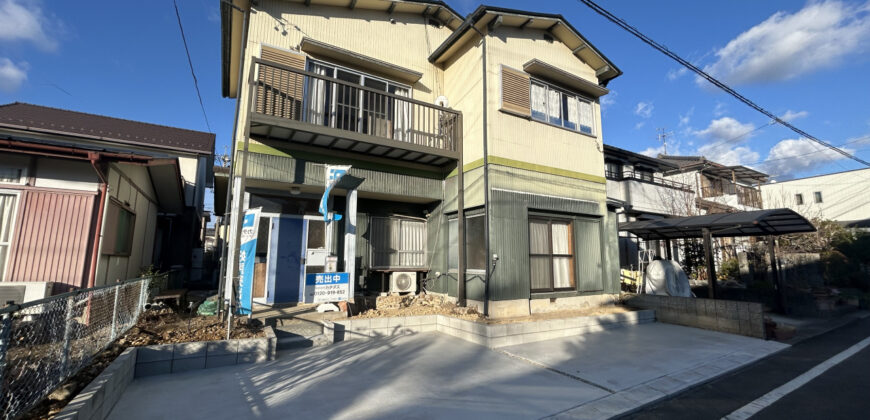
[[638, 182], [417, 99], [87, 200], [718, 188], [842, 197]]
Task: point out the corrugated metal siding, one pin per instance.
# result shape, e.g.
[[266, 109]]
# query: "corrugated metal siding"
[[285, 169], [52, 239], [397, 243], [588, 249], [509, 232]]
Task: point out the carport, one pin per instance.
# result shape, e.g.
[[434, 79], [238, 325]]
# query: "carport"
[[769, 223]]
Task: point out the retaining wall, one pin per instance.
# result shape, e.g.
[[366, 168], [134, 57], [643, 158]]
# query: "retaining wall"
[[729, 316], [98, 398], [489, 335]]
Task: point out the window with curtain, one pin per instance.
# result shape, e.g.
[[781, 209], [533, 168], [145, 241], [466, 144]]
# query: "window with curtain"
[[551, 254], [350, 108], [7, 219], [475, 246], [559, 107], [120, 224]]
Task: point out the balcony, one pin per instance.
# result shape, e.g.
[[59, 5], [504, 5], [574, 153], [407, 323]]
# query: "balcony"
[[649, 178], [749, 197], [320, 114]]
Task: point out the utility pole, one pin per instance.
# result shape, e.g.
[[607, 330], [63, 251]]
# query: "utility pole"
[[662, 136]]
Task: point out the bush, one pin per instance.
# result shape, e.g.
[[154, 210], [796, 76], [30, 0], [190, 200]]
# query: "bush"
[[730, 270]]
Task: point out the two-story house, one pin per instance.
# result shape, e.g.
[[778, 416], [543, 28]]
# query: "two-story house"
[[840, 196], [638, 182], [86, 199], [718, 188], [474, 143]]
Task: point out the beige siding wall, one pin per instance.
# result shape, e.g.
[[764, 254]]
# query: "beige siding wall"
[[370, 33], [844, 196], [130, 185], [463, 86], [531, 141]]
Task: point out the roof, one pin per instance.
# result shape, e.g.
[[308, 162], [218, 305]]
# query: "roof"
[[105, 129], [632, 157], [555, 24], [747, 223], [717, 169]]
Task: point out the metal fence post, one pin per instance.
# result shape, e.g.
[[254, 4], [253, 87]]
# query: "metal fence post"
[[5, 333], [142, 299], [67, 335], [115, 313]]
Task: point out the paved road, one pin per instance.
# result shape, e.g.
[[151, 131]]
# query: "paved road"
[[841, 392]]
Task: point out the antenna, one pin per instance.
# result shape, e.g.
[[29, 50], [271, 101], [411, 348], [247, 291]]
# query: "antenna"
[[662, 136]]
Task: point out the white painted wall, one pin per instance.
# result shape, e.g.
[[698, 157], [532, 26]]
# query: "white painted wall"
[[845, 195], [66, 174]]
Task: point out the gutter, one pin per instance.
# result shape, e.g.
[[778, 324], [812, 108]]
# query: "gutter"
[[96, 158]]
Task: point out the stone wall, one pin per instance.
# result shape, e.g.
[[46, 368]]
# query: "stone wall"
[[729, 316]]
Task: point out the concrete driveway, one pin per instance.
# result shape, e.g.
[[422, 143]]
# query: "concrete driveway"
[[429, 376]]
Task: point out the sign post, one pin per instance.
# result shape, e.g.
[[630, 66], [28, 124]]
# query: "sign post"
[[247, 256]]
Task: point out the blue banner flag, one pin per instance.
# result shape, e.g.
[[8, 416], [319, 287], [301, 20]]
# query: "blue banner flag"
[[333, 175]]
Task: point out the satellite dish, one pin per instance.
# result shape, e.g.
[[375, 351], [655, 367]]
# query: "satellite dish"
[[442, 101]]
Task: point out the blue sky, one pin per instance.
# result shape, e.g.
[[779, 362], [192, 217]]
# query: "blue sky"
[[806, 61]]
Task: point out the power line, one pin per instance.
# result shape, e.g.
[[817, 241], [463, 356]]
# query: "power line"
[[190, 62], [740, 135], [661, 48], [809, 153]]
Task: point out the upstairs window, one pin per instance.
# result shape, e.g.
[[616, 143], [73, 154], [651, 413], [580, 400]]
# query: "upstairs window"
[[644, 174], [817, 196], [562, 108], [613, 170], [799, 199]]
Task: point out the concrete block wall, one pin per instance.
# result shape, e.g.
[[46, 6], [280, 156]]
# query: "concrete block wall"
[[181, 357], [99, 397], [729, 316], [489, 335]]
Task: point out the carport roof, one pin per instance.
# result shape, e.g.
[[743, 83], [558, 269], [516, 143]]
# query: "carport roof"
[[747, 223]]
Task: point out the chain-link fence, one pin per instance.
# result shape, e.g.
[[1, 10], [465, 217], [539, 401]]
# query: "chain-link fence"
[[44, 342]]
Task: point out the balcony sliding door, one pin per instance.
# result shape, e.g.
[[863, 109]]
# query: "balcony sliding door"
[[347, 107]]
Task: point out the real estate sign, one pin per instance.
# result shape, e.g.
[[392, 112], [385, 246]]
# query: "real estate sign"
[[247, 256], [326, 287]]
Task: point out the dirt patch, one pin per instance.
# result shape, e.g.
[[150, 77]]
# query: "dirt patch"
[[162, 326], [410, 305]]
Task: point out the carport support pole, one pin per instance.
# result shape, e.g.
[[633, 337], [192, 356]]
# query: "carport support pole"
[[774, 270], [711, 264], [668, 250]]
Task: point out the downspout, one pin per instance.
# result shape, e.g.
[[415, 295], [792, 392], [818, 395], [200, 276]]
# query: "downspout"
[[95, 158], [228, 205], [485, 178]]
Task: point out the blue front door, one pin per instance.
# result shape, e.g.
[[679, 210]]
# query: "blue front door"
[[286, 267]]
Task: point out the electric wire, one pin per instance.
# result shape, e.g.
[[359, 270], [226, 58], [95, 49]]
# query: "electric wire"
[[190, 62], [664, 50]]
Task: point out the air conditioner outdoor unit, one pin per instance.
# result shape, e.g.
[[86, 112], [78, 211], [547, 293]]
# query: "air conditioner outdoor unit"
[[403, 281]]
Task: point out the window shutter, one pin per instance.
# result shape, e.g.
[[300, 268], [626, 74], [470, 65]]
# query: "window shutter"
[[515, 91], [279, 91]]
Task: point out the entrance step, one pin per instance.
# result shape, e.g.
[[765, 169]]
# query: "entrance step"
[[293, 333]]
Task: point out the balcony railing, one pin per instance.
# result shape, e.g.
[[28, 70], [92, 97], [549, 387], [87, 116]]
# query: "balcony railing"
[[749, 197], [649, 178], [364, 114]]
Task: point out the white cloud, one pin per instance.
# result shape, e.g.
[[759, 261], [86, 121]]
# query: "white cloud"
[[25, 21], [673, 149], [725, 129], [608, 100], [674, 74], [793, 156], [719, 110], [11, 75], [644, 109], [639, 125], [724, 136], [789, 45], [790, 115], [686, 118]]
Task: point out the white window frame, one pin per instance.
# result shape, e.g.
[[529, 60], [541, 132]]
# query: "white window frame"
[[562, 93], [14, 218]]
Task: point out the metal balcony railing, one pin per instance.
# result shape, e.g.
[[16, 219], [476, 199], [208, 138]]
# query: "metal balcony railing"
[[321, 101], [650, 178]]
